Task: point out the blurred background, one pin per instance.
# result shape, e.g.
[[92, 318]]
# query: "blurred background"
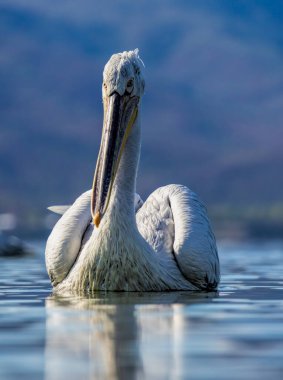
[[212, 111]]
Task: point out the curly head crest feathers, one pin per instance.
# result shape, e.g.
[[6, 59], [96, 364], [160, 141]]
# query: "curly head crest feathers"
[[121, 69]]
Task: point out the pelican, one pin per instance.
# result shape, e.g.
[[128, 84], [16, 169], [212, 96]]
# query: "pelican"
[[109, 239]]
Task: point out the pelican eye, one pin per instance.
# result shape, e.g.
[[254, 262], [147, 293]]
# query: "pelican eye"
[[130, 86], [105, 85]]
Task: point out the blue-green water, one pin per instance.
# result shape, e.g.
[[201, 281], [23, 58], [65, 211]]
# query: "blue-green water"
[[235, 334]]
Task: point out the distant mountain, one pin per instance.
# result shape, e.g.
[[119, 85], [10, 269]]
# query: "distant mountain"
[[212, 113]]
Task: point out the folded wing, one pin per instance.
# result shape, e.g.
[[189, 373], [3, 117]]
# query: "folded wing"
[[64, 242], [174, 222]]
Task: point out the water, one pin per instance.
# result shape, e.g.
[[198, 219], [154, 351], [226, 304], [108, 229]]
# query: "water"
[[234, 334]]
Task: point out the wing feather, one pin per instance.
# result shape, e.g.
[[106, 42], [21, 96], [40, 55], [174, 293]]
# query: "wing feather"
[[64, 242], [60, 210], [174, 221]]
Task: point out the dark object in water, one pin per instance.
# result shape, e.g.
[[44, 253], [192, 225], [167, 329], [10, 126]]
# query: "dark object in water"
[[11, 246]]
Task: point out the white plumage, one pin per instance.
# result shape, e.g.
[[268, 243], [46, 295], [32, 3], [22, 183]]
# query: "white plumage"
[[173, 220], [165, 243]]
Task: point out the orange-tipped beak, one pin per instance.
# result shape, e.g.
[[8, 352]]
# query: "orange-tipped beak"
[[120, 116]]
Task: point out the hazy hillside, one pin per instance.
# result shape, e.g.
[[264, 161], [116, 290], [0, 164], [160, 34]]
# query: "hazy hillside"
[[212, 113]]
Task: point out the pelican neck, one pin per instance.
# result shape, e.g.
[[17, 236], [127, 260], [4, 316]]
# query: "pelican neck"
[[124, 188]]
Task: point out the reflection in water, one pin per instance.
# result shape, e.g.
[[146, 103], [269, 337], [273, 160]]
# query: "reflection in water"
[[100, 341], [106, 336], [146, 335]]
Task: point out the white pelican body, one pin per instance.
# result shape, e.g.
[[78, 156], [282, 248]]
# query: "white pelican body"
[[108, 239]]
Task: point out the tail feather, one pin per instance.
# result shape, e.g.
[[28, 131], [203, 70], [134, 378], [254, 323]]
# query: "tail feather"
[[59, 209]]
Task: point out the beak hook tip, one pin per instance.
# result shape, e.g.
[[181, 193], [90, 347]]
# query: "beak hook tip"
[[97, 219]]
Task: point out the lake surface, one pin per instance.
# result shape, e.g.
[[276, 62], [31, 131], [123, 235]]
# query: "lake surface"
[[234, 334]]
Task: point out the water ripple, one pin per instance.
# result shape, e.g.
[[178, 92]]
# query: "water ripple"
[[236, 333]]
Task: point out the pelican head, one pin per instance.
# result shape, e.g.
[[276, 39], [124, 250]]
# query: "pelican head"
[[122, 89]]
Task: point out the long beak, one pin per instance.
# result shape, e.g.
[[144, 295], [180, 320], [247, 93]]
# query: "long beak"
[[119, 118]]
